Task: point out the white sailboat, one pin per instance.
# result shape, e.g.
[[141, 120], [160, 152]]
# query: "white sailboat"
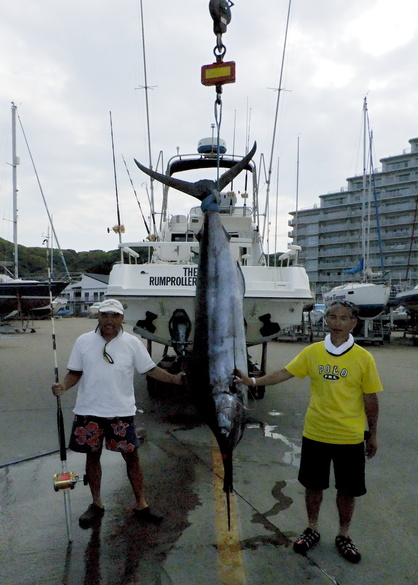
[[370, 298], [160, 294], [371, 293]]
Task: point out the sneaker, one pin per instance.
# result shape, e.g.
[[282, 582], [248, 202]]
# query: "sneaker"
[[91, 516], [147, 516], [308, 539], [347, 549]]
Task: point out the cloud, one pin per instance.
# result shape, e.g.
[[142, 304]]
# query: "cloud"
[[384, 26], [68, 71]]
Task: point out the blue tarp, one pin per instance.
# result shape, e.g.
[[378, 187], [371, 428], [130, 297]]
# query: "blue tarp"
[[359, 268]]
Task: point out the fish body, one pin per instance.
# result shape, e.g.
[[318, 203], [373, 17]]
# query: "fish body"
[[219, 346]]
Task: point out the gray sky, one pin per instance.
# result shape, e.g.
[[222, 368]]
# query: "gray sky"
[[66, 65]]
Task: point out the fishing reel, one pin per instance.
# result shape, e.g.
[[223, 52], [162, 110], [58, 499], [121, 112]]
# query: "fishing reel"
[[67, 480]]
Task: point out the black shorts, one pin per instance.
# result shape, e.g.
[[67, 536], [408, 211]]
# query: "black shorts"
[[349, 467], [89, 432]]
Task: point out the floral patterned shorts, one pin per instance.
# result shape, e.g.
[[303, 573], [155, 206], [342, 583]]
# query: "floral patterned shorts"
[[89, 432]]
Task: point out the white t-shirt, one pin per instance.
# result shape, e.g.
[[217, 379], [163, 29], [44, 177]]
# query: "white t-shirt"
[[105, 389]]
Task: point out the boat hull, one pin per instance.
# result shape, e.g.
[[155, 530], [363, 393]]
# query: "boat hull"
[[370, 299], [27, 296], [408, 299], [274, 298]]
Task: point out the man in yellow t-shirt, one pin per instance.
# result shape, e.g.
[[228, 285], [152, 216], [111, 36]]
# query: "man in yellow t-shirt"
[[342, 414]]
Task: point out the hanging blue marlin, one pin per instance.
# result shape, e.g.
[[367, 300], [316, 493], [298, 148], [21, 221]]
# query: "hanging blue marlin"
[[219, 346]]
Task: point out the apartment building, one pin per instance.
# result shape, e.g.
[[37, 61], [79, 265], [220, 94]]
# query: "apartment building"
[[330, 233]]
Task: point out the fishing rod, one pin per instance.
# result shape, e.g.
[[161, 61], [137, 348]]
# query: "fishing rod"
[[119, 226], [65, 480], [136, 197], [43, 198]]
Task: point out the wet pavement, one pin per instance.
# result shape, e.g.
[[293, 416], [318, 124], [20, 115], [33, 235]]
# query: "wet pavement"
[[183, 481]]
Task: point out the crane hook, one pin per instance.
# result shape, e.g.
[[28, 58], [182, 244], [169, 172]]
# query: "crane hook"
[[220, 10]]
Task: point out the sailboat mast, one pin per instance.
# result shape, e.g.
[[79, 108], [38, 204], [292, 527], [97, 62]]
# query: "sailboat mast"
[[276, 115], [146, 87], [363, 203], [15, 162]]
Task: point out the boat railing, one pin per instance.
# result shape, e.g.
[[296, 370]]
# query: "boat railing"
[[162, 251], [237, 211], [132, 255]]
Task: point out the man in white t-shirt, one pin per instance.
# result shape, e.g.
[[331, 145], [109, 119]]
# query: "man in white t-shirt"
[[103, 363]]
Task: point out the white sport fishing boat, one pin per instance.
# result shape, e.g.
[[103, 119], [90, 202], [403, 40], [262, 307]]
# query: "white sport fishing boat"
[[159, 295]]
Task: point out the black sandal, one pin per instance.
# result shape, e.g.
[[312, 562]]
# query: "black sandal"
[[347, 549], [306, 541]]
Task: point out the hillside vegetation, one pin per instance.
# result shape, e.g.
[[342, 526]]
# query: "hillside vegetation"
[[33, 262]]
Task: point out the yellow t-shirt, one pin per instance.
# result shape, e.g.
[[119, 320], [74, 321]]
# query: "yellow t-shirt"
[[336, 411]]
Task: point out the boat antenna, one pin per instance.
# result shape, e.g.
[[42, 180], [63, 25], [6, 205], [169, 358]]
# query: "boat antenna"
[[119, 226], [248, 128], [247, 148], [136, 196], [295, 238], [146, 87], [277, 211], [279, 91], [15, 162], [51, 223], [234, 133]]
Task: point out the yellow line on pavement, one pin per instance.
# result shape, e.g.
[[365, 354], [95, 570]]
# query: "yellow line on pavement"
[[230, 560]]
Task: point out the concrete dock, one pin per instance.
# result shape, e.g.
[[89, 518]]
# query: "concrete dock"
[[193, 545]]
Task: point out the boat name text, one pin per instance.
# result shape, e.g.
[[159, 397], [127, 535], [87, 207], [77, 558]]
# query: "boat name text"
[[188, 279], [334, 297]]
